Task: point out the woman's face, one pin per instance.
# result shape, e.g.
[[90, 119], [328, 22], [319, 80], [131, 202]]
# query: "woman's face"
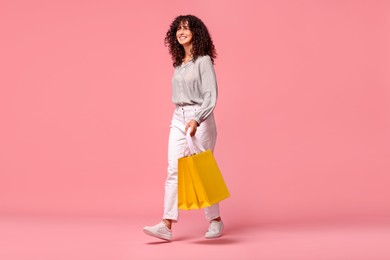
[[184, 34]]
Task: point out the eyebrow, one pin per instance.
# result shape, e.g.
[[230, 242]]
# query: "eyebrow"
[[183, 26]]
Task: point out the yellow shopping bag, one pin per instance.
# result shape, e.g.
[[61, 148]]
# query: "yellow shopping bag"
[[187, 198], [200, 182]]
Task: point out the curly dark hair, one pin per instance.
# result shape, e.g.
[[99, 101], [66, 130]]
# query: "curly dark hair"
[[202, 43]]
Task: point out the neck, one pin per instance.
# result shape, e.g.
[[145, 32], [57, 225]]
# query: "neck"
[[187, 49]]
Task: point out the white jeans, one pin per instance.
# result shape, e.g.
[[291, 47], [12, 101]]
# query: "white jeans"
[[206, 135]]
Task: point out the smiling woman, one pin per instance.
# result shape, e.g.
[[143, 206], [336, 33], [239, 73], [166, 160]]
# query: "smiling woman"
[[189, 35], [194, 92], [184, 35]]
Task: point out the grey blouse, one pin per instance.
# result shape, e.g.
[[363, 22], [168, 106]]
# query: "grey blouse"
[[195, 83]]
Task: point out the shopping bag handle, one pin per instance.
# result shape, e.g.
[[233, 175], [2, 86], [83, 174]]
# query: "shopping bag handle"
[[193, 145]]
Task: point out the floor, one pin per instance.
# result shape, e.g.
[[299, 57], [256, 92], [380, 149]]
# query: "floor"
[[73, 238]]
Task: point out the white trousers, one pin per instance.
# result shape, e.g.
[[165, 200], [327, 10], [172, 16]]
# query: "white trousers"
[[206, 135]]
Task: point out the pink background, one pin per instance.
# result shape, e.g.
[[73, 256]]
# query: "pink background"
[[303, 114]]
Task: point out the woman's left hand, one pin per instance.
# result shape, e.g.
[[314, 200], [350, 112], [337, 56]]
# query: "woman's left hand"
[[193, 125]]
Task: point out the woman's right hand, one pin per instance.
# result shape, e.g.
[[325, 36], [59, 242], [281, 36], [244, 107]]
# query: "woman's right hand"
[[192, 125]]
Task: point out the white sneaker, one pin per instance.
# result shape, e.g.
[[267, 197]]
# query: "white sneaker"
[[160, 231], [215, 229]]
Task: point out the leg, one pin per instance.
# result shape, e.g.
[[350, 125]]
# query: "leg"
[[175, 150], [212, 212], [206, 134], [176, 145]]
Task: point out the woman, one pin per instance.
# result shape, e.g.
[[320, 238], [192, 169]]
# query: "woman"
[[194, 93]]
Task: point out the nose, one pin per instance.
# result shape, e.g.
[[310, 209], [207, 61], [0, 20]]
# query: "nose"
[[180, 31]]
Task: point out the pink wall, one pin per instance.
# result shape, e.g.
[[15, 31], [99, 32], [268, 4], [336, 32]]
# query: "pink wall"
[[303, 114]]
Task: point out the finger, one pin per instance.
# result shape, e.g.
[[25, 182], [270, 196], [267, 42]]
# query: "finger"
[[193, 131], [189, 129]]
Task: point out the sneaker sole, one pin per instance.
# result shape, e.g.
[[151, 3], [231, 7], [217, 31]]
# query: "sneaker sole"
[[160, 236], [212, 237]]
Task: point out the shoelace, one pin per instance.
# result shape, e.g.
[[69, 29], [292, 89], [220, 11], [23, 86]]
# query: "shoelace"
[[214, 226]]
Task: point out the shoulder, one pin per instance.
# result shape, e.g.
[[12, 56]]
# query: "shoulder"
[[204, 60]]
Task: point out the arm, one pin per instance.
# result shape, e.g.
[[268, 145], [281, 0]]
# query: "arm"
[[209, 89]]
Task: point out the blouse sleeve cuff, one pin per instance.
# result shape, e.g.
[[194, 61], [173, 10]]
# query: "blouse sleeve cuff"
[[197, 120]]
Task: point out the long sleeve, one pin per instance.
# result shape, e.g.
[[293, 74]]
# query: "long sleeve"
[[209, 89]]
